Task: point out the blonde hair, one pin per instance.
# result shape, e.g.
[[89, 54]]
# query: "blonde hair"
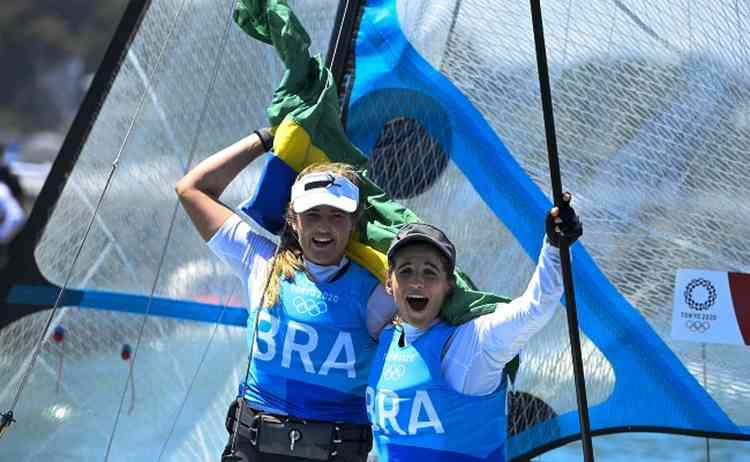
[[288, 258]]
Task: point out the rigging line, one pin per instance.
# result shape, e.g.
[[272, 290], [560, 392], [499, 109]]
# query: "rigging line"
[[337, 58], [195, 375], [63, 288], [168, 238], [705, 385], [454, 19], [58, 299], [338, 34], [449, 38], [253, 338], [645, 27], [102, 226], [703, 345], [557, 194]]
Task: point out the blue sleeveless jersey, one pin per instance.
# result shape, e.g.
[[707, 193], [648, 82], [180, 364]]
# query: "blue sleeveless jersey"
[[417, 416], [313, 350]]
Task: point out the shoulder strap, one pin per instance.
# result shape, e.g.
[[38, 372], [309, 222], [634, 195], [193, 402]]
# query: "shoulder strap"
[[257, 316]]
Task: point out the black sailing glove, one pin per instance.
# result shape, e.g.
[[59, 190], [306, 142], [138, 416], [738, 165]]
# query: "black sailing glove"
[[562, 224]]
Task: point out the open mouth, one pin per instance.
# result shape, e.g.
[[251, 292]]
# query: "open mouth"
[[417, 302], [322, 242]]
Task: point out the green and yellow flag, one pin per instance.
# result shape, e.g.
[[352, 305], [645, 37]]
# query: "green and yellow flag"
[[304, 115]]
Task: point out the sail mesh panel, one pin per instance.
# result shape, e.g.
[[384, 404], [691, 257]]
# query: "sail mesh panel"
[[651, 107], [187, 88], [651, 104]]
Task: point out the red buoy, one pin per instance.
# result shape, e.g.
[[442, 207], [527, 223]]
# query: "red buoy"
[[58, 335], [126, 351]]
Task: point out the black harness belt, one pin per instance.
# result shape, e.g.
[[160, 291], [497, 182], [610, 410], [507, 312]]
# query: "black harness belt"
[[294, 437]]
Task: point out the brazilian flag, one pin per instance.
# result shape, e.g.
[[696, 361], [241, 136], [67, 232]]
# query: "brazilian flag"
[[304, 115]]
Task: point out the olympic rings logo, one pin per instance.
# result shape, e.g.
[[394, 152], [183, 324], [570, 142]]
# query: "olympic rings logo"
[[709, 301], [393, 371], [310, 307], [698, 326]]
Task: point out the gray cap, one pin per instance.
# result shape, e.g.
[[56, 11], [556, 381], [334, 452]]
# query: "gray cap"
[[422, 232]]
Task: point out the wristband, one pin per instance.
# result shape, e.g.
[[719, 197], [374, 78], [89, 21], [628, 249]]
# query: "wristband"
[[266, 138]]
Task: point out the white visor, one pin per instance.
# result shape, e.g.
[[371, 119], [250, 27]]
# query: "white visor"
[[324, 188]]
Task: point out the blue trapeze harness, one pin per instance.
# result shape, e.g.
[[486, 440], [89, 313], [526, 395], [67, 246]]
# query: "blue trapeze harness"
[[313, 350], [417, 416]]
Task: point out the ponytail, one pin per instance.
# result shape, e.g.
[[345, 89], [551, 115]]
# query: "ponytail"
[[286, 262]]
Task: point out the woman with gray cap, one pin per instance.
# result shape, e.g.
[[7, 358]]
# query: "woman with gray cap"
[[314, 314], [436, 391]]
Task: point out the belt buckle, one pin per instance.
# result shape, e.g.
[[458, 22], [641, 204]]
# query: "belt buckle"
[[254, 429], [336, 440]]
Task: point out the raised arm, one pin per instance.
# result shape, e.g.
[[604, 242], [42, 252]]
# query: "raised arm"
[[200, 188], [480, 348]]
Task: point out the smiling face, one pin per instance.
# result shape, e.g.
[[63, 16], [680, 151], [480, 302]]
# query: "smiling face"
[[323, 233], [419, 283]]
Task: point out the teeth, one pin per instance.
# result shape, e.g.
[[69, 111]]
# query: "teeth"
[[417, 302]]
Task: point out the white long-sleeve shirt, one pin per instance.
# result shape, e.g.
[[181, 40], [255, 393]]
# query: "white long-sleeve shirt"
[[479, 349], [12, 215]]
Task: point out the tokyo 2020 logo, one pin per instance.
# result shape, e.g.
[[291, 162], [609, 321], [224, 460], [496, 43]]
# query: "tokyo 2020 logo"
[[700, 294]]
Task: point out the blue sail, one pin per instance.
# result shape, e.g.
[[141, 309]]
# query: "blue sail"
[[651, 104], [390, 75]]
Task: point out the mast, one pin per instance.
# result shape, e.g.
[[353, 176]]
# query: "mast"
[[341, 49], [557, 194], [21, 268]]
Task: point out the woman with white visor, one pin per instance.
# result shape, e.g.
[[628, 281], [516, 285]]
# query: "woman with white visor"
[[314, 314]]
